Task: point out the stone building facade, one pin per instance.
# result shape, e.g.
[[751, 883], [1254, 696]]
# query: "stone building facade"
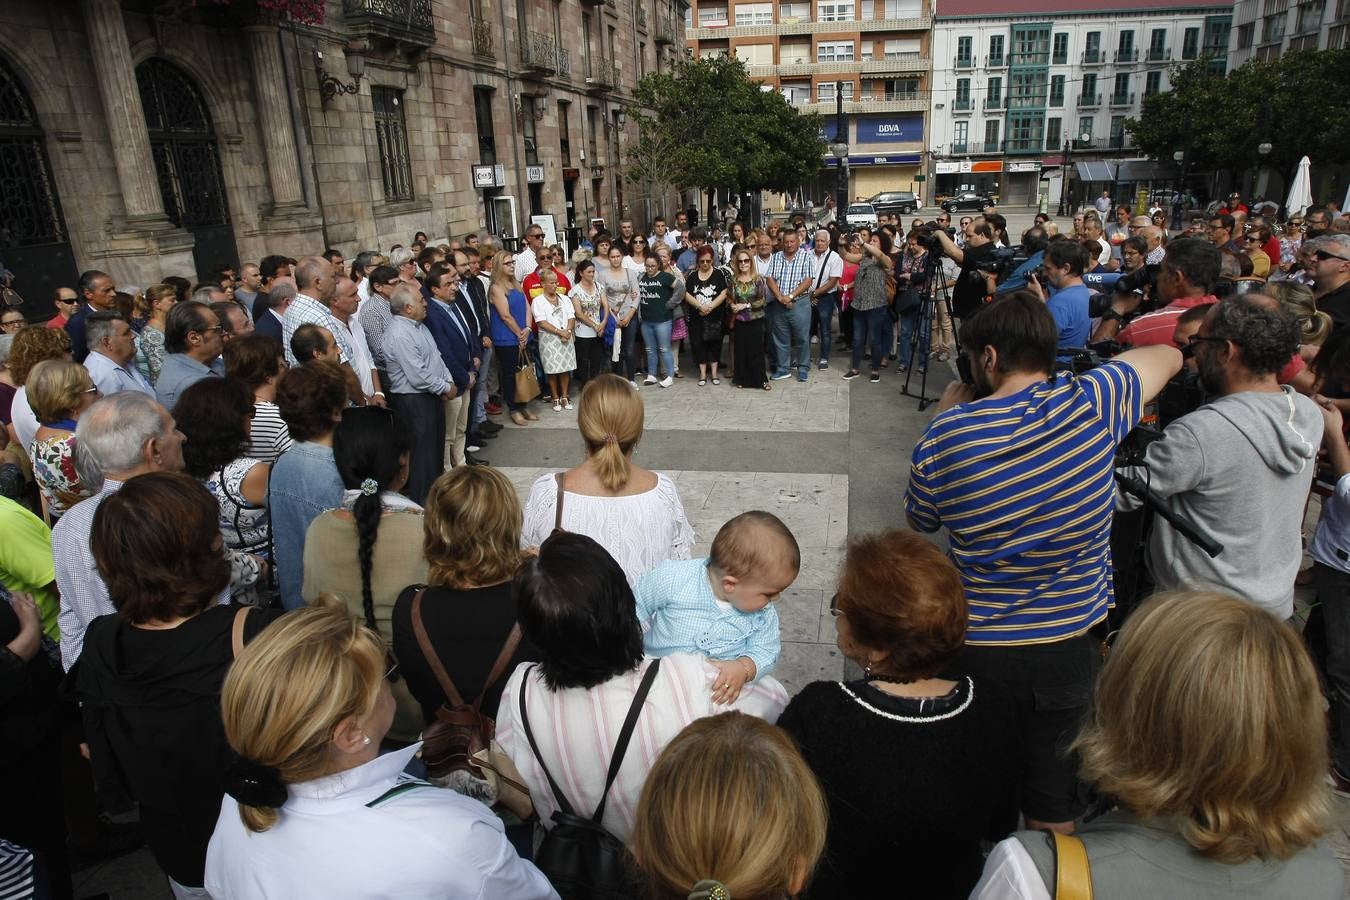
[[149, 139]]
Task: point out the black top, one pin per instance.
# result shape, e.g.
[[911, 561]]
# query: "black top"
[[970, 285], [468, 629], [151, 706], [707, 290], [30, 721], [1337, 305], [913, 785]]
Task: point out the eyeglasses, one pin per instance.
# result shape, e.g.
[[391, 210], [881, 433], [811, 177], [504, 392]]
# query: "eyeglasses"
[[743, 259], [12, 323], [834, 606], [391, 674], [92, 390], [1194, 341], [209, 330]]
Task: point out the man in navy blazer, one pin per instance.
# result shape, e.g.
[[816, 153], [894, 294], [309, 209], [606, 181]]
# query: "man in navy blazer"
[[456, 339], [278, 297], [472, 303]]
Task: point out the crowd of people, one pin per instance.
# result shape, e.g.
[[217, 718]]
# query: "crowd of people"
[[268, 614]]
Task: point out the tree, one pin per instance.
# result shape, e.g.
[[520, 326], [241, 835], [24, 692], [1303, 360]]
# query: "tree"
[[706, 124], [1296, 102]]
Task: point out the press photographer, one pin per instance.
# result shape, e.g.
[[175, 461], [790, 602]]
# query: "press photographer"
[[1033, 249], [1186, 278], [973, 284], [1018, 469], [1065, 295], [1239, 467]]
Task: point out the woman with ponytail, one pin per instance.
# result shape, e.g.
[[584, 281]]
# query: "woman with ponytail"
[[635, 514], [365, 552], [313, 809]]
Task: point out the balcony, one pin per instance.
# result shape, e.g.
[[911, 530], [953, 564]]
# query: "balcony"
[[601, 76], [401, 21], [966, 105], [795, 65], [995, 62], [986, 148], [965, 62], [481, 31], [993, 103], [564, 64], [1056, 102], [1060, 59], [1127, 56], [1122, 99], [1014, 147], [804, 25], [1116, 142], [538, 53], [640, 14], [1156, 56], [1094, 58], [665, 31], [881, 103], [960, 148], [1089, 101]]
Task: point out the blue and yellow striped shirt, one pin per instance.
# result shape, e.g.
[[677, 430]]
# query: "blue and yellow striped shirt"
[[1024, 486]]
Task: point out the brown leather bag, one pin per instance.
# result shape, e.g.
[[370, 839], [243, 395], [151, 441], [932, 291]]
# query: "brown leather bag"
[[458, 748]]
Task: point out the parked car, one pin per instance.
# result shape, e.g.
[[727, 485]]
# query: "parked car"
[[896, 202], [859, 214], [969, 200]]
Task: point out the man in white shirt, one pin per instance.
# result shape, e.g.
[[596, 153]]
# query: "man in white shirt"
[[763, 255], [659, 233], [343, 308], [828, 269], [317, 285], [112, 347], [526, 261]]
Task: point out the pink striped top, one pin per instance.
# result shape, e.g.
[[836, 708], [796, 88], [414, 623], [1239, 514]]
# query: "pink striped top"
[[576, 729]]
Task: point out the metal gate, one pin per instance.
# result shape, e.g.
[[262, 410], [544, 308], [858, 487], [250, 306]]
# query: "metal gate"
[[33, 240], [187, 161]]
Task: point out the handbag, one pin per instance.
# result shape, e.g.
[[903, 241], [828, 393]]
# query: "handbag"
[[527, 383], [10, 298], [459, 748], [578, 856]]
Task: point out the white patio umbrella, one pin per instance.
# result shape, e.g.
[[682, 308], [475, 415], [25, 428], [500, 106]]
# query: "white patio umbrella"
[[1300, 192]]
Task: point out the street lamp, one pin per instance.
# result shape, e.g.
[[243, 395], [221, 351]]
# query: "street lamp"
[[1263, 150], [839, 150], [1067, 175]]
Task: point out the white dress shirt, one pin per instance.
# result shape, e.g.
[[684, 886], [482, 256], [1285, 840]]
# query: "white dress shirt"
[[109, 377], [362, 362], [370, 832]]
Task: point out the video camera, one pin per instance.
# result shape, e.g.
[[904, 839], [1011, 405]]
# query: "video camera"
[[1002, 262]]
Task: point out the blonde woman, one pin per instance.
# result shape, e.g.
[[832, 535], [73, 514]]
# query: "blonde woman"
[[1314, 324], [509, 328], [729, 803], [471, 540], [59, 390], [636, 514], [313, 809], [154, 305], [1209, 732]]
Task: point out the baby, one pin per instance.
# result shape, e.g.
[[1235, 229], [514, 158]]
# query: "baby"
[[722, 606]]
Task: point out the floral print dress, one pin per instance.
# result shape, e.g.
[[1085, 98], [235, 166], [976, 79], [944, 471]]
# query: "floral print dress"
[[54, 470]]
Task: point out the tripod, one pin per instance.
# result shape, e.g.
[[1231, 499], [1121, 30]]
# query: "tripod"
[[935, 292]]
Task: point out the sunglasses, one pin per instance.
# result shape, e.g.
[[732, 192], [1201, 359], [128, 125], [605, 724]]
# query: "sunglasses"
[[1252, 239], [743, 259], [1324, 256], [834, 606]]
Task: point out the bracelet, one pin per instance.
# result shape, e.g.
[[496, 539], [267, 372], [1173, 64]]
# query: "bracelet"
[[378, 394], [749, 669]]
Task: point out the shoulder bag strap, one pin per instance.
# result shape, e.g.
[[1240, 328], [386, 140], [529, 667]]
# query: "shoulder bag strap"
[[499, 667], [237, 631], [620, 748], [558, 503], [428, 651], [529, 735], [1073, 873]]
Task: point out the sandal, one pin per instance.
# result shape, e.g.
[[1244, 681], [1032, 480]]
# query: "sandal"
[[717, 381], [557, 407], [529, 415], [703, 382], [767, 386], [519, 419], [567, 404]]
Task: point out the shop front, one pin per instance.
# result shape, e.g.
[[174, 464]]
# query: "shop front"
[[957, 176]]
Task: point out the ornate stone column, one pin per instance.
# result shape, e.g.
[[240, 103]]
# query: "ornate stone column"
[[110, 54], [274, 118]]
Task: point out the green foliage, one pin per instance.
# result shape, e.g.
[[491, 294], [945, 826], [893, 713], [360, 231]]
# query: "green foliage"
[[705, 124], [1218, 119]]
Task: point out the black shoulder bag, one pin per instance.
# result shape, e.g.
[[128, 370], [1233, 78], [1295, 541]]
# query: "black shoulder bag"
[[580, 858]]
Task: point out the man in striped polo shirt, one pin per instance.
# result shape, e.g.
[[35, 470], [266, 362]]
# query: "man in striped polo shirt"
[[1022, 480]]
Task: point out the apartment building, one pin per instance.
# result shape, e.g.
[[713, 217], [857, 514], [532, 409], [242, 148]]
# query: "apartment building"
[[1263, 29], [874, 52], [1020, 89]]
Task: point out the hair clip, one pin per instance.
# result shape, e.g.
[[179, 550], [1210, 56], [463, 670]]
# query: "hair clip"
[[369, 486], [710, 889]]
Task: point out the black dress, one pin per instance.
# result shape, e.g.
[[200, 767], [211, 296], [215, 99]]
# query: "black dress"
[[468, 629], [913, 785], [151, 706]]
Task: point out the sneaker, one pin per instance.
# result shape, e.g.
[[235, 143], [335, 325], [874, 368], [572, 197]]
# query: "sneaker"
[[824, 364], [472, 448], [851, 374], [779, 376], [901, 368], [634, 383], [815, 339], [557, 407], [801, 376], [567, 404], [650, 379], [666, 382], [1339, 784], [492, 409], [876, 377]]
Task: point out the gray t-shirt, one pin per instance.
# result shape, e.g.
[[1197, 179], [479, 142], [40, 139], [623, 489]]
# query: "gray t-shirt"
[[620, 289]]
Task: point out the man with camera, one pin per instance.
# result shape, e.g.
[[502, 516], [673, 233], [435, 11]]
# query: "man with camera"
[[1033, 245], [1018, 467], [973, 284], [1239, 467], [1186, 278], [1069, 298]]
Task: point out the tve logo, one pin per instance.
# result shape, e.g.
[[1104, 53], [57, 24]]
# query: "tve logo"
[[890, 129]]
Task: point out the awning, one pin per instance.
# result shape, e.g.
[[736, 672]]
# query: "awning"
[[879, 159], [1095, 170], [1147, 170]]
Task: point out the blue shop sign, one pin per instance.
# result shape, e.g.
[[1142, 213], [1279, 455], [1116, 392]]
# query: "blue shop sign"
[[890, 129], [889, 159]]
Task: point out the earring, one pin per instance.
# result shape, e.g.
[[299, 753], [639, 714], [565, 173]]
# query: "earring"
[[867, 670], [365, 740]]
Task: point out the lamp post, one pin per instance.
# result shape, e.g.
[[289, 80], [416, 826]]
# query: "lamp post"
[[1065, 174], [1179, 157], [839, 150], [1262, 151]]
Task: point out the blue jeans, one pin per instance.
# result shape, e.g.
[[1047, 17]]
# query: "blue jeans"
[[789, 330], [825, 308], [909, 323], [627, 337], [479, 412], [656, 335], [869, 328]]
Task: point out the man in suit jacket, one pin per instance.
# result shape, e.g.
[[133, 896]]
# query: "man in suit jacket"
[[474, 303], [456, 340], [278, 298], [98, 293]]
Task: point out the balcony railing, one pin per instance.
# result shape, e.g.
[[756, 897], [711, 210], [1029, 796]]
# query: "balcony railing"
[[564, 63], [1159, 56], [795, 65], [911, 101], [993, 102], [1056, 102], [1089, 101], [965, 105], [987, 147], [406, 21], [600, 76], [640, 13], [538, 53], [1127, 56], [665, 31], [1093, 57], [1022, 146], [1060, 59], [993, 61], [805, 26], [965, 62], [1122, 99], [960, 148], [1116, 142], [481, 30]]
